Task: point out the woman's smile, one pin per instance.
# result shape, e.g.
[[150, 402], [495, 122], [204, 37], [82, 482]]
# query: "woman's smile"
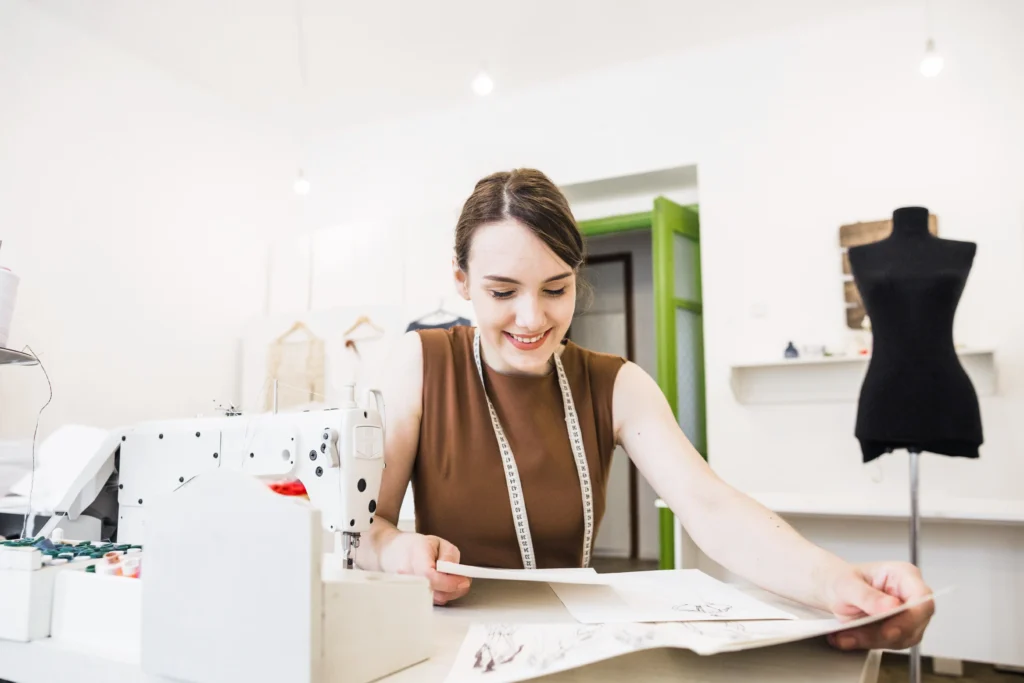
[[531, 343]]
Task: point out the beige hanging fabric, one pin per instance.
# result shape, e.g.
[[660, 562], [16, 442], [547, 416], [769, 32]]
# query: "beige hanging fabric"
[[349, 364], [298, 367]]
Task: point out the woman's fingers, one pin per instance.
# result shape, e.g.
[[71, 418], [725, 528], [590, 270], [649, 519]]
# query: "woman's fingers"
[[443, 597], [898, 632], [448, 583], [447, 587]]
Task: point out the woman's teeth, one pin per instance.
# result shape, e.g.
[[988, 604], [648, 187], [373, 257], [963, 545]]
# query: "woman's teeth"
[[526, 340]]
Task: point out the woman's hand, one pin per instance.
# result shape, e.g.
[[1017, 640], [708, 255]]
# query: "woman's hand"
[[412, 553], [866, 589]]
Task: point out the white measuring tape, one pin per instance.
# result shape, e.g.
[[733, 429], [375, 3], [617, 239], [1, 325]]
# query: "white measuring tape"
[[515, 488]]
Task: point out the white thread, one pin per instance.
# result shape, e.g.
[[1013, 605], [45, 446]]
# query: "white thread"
[[518, 505], [35, 433]]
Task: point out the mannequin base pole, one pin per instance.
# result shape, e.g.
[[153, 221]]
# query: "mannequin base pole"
[[915, 529]]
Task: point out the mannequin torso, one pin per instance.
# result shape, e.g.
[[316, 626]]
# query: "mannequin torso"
[[915, 394]]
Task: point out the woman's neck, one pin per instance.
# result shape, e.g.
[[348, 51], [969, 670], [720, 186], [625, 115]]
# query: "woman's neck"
[[911, 221]]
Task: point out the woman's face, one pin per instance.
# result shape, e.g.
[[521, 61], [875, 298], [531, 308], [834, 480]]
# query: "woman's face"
[[523, 296]]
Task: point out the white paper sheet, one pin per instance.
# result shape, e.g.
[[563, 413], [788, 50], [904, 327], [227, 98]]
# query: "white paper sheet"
[[503, 653], [553, 576], [662, 595]]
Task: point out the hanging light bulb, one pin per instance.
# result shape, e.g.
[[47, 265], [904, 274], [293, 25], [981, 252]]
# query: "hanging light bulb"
[[301, 185], [932, 63], [483, 84]]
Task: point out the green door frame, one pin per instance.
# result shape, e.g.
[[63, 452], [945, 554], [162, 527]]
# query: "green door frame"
[[666, 220]]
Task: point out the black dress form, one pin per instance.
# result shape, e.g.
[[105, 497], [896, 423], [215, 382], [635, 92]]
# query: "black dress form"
[[915, 395]]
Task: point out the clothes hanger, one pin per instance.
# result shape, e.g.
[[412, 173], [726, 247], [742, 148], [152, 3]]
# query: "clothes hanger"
[[299, 325], [440, 310], [360, 321]]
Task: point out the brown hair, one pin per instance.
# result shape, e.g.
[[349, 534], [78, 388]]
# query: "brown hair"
[[528, 196]]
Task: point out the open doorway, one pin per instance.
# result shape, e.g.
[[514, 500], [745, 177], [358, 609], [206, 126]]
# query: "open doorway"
[[662, 248], [608, 325]]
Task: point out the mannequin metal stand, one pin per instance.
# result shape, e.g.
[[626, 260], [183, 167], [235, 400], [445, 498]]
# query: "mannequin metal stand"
[[915, 529]]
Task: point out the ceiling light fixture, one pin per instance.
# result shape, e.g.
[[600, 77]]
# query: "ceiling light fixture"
[[301, 185], [932, 63], [483, 84]]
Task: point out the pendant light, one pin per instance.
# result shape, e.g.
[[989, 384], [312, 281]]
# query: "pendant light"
[[301, 184], [483, 84], [932, 62]]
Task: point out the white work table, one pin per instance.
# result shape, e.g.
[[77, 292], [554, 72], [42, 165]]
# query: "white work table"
[[812, 660]]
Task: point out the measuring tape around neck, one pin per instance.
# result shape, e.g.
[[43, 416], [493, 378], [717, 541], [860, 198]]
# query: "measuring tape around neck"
[[515, 488]]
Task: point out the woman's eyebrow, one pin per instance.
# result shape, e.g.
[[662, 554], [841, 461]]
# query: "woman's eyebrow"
[[512, 281]]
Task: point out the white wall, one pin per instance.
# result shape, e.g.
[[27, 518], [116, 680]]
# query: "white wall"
[[137, 211], [793, 134]]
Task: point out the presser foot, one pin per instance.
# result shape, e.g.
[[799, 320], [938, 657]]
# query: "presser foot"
[[349, 543]]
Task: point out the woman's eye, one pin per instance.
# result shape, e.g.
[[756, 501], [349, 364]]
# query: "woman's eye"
[[501, 295], [555, 292]]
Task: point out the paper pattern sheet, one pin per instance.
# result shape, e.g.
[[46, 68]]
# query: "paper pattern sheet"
[[663, 595], [502, 653], [552, 576]]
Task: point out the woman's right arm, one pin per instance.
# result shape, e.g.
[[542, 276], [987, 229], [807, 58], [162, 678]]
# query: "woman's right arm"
[[385, 548], [401, 384]]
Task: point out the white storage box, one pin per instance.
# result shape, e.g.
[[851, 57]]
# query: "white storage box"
[[99, 614], [32, 592], [26, 593]]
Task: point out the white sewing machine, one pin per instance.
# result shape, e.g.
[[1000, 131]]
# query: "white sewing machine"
[[337, 454], [235, 584]]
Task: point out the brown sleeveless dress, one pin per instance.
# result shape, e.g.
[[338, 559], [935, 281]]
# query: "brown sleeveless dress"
[[458, 480]]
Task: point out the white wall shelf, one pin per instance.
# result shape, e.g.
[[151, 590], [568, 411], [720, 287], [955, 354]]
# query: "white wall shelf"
[[833, 378], [934, 508]]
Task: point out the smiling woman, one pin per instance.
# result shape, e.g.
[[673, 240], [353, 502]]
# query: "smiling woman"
[[517, 254], [513, 411], [511, 383]]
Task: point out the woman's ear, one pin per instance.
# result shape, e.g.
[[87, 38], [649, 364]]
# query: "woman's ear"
[[461, 279]]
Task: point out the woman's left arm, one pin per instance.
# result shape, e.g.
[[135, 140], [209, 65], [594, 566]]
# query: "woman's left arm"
[[751, 541]]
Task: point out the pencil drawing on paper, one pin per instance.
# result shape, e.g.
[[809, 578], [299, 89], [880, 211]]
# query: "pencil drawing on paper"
[[711, 609], [731, 631], [548, 652], [504, 644], [636, 636], [510, 652], [498, 648]]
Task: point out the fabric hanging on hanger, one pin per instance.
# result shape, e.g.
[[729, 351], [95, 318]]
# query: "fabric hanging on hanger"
[[417, 325], [449, 320], [372, 330], [298, 367], [361, 350]]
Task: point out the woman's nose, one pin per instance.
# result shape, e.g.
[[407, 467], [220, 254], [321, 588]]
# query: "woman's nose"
[[530, 314]]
